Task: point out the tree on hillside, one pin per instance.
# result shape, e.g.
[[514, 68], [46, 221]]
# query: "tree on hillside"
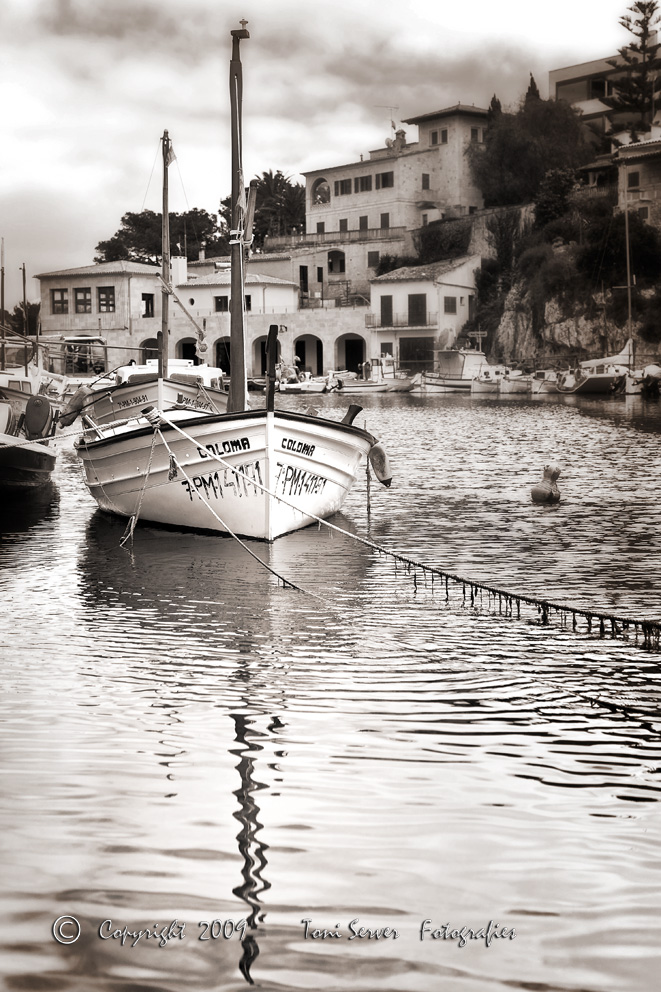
[[279, 207], [139, 237], [636, 88], [17, 318], [532, 92], [520, 148]]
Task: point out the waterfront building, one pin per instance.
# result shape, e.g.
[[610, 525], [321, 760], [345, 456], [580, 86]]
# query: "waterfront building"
[[419, 309]]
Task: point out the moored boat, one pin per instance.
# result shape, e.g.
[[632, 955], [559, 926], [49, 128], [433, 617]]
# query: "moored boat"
[[515, 381], [488, 381], [454, 369], [279, 471], [544, 381]]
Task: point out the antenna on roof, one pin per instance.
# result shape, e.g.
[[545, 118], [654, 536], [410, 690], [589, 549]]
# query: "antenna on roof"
[[391, 113]]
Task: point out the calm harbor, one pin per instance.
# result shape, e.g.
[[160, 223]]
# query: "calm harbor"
[[186, 741]]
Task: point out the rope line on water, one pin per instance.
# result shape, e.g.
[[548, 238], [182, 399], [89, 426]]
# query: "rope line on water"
[[649, 630]]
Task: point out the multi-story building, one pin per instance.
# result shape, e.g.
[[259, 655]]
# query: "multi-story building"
[[357, 212]]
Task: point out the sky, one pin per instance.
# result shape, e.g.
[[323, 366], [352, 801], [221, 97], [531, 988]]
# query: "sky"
[[88, 87]]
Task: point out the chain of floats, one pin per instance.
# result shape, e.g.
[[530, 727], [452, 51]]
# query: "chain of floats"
[[647, 633]]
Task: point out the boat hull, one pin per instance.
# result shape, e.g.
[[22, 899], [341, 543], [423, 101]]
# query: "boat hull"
[[599, 384], [433, 382], [24, 466], [356, 387], [130, 398], [308, 465]]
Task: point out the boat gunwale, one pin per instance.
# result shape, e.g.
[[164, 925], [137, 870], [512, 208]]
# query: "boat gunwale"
[[209, 419]]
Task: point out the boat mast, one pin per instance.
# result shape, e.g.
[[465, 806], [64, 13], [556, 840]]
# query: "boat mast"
[[3, 354], [162, 336], [238, 392], [628, 251]]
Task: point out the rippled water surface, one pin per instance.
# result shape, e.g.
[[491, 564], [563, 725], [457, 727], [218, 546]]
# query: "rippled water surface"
[[183, 739]]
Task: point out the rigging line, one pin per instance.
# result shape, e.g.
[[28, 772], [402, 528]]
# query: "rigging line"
[[649, 627], [285, 582], [158, 148]]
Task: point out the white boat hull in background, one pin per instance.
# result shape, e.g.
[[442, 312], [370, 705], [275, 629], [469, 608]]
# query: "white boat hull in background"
[[309, 462]]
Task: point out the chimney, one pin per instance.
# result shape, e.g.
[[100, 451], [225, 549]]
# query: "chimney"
[[179, 269]]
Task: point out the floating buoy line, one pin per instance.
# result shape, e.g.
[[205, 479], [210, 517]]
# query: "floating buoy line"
[[643, 633]]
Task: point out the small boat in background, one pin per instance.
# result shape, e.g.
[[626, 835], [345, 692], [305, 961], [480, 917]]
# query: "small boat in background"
[[515, 381], [454, 369], [544, 381], [26, 424], [597, 375], [488, 381], [378, 376], [132, 387]]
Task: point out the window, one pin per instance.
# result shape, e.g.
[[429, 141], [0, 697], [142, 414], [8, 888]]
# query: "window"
[[362, 184], [444, 136], [633, 180], [344, 225], [336, 262], [387, 348], [248, 302], [321, 227], [106, 296], [643, 212], [385, 180], [342, 187], [83, 300], [385, 221], [425, 220], [147, 305], [221, 303], [475, 134], [433, 137], [449, 304], [59, 301], [372, 259], [320, 273], [362, 223], [425, 180], [472, 210]]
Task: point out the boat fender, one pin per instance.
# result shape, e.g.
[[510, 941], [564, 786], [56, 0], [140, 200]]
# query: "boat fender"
[[547, 490], [38, 418], [74, 406], [380, 464]]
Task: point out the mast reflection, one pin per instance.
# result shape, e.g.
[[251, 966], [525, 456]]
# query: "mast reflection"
[[251, 849]]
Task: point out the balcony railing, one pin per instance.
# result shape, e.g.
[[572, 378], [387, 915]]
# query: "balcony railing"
[[402, 320], [330, 237]]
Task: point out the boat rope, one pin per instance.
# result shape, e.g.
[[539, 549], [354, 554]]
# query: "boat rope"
[[175, 467], [130, 527], [649, 631]]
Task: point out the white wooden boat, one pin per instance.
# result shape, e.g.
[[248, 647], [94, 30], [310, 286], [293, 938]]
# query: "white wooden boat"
[[306, 383], [254, 473], [455, 369], [544, 381], [262, 473], [378, 376], [597, 376], [515, 381], [133, 387], [488, 381]]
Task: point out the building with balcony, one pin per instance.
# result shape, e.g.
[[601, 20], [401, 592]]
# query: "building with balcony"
[[417, 310]]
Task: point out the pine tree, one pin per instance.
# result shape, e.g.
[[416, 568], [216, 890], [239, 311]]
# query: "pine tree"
[[635, 91], [494, 111], [532, 92]]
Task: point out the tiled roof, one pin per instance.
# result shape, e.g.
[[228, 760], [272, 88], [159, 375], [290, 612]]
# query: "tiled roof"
[[224, 278], [459, 108], [430, 272], [105, 269]]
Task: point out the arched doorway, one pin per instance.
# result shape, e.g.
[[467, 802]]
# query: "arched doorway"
[[148, 350], [223, 359], [187, 349], [350, 352], [336, 262], [259, 355], [309, 350]]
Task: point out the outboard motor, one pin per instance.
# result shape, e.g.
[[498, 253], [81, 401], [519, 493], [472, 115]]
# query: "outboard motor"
[[74, 406], [38, 418], [380, 464]]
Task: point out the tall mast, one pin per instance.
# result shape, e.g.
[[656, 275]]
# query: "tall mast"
[[3, 355], [162, 336], [238, 392], [26, 325]]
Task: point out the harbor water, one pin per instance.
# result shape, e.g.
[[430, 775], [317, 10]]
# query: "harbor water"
[[365, 783]]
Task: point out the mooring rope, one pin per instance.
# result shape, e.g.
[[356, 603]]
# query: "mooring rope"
[[619, 626]]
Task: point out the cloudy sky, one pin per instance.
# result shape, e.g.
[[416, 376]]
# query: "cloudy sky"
[[88, 86]]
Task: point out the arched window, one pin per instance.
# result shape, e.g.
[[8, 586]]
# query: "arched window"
[[320, 192]]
